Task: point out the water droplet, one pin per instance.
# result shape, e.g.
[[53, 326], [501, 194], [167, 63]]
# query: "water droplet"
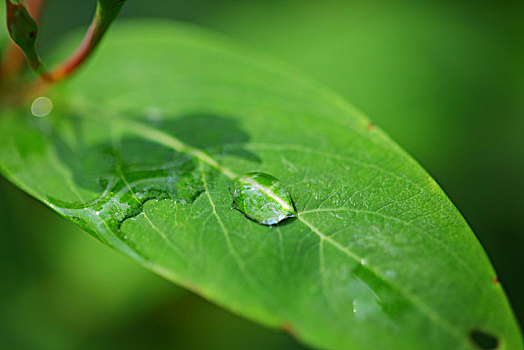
[[262, 198], [364, 261], [41, 106]]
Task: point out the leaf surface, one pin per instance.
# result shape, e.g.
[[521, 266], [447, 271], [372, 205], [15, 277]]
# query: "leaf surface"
[[141, 148]]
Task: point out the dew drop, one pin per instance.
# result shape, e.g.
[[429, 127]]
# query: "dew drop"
[[262, 198], [41, 106]]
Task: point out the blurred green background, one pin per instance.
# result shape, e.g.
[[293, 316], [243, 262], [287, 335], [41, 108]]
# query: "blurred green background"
[[444, 79]]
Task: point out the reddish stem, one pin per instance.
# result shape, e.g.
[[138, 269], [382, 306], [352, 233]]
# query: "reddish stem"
[[77, 58]]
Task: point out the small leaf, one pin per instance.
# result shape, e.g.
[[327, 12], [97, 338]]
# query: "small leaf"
[[23, 29], [140, 150]]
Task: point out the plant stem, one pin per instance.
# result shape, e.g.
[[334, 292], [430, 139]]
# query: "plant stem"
[[89, 43], [106, 12], [23, 30]]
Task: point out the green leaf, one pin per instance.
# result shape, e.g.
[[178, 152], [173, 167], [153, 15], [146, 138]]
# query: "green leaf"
[[22, 27], [23, 30], [142, 147]]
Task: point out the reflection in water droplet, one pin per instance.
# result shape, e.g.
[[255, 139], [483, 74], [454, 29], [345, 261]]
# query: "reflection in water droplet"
[[262, 198], [41, 107]]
